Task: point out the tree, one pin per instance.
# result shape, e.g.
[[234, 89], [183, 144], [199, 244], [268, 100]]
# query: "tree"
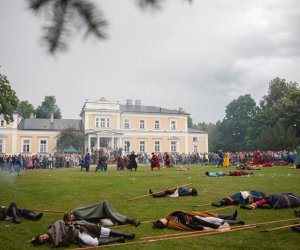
[[277, 138], [190, 122], [70, 137], [74, 15], [8, 99], [25, 109], [48, 108], [233, 129]]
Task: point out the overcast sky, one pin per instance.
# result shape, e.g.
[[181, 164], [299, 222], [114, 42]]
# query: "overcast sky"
[[198, 56]]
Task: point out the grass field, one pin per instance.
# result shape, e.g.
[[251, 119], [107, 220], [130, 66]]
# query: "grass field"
[[65, 189]]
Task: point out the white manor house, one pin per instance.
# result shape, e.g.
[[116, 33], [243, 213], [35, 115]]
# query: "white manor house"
[[130, 126]]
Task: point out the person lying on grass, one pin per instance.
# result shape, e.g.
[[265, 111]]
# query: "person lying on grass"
[[276, 201], [63, 234], [197, 221], [13, 212], [231, 173], [102, 213], [174, 192], [242, 197]]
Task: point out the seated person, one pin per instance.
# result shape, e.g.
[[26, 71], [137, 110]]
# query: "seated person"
[[175, 192], [12, 212], [197, 221], [98, 212], [62, 234], [242, 197], [276, 201]]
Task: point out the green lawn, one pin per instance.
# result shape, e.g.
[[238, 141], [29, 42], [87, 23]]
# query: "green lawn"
[[65, 189]]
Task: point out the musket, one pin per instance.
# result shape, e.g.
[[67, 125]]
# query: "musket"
[[279, 228]]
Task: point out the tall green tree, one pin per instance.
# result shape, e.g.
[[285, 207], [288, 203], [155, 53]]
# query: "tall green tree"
[[8, 99], [212, 133], [48, 108], [280, 106], [233, 129], [25, 109], [70, 137], [278, 137], [70, 16]]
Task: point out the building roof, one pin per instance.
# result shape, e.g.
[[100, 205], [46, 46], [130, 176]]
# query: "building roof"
[[46, 124], [192, 130], [150, 109]]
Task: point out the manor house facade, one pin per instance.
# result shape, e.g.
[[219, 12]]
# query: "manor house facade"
[[130, 126]]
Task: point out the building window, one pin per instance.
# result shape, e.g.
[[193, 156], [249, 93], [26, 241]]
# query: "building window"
[[142, 146], [195, 139], [102, 122], [173, 125], [157, 146], [26, 146], [126, 124], [156, 125], [173, 146], [127, 147], [1, 146], [195, 149], [43, 146], [142, 124], [2, 123]]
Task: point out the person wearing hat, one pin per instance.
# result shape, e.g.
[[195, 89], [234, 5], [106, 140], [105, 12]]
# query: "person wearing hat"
[[154, 162], [63, 234], [132, 161], [12, 212]]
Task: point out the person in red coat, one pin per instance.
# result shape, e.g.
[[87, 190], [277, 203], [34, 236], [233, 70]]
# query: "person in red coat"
[[154, 162]]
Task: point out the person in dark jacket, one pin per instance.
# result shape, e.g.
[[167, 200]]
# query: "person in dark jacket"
[[276, 201], [175, 192], [242, 197], [100, 213], [62, 234], [197, 221], [13, 212], [132, 161]]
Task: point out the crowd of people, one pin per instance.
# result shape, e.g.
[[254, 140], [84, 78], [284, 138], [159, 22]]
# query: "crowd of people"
[[243, 160]]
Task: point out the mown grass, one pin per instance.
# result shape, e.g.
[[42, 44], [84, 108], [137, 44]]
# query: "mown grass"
[[65, 189]]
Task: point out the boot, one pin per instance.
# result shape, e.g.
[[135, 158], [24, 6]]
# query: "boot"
[[150, 191], [30, 215], [16, 219], [220, 203], [114, 233], [132, 221], [229, 217], [104, 241], [235, 222]]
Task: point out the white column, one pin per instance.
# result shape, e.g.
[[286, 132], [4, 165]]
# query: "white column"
[[89, 143]]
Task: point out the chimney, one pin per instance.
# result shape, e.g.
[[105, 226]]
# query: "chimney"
[[52, 118], [138, 103], [128, 102], [180, 110]]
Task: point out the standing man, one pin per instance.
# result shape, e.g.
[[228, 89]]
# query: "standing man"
[[132, 161], [154, 162], [220, 158], [86, 162]]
